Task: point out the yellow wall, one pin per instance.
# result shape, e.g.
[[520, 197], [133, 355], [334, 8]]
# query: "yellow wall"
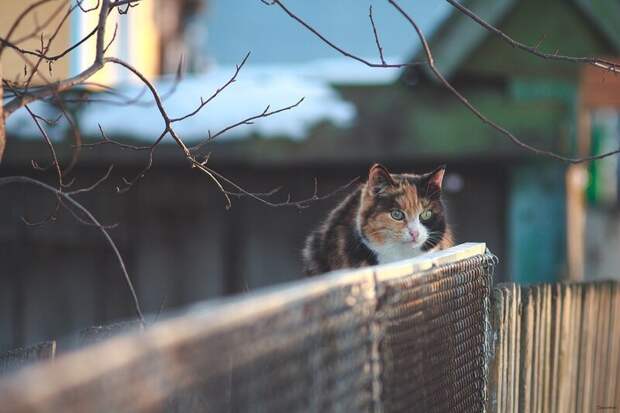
[[137, 40], [12, 64]]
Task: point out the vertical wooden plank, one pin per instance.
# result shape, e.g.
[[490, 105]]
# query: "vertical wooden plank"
[[601, 352], [564, 362], [517, 308], [546, 364], [576, 180], [578, 296], [504, 350], [557, 321], [536, 370], [495, 401], [63, 301], [8, 295], [511, 341], [586, 351], [527, 346]]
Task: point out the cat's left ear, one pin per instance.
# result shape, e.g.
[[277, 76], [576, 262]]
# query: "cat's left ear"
[[379, 179], [435, 178]]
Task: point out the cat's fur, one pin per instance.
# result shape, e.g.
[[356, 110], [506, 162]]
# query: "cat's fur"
[[364, 230]]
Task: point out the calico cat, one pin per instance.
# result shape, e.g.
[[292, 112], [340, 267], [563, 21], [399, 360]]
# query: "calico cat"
[[389, 218]]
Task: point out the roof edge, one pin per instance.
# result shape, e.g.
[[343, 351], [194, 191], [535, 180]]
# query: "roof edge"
[[448, 52]]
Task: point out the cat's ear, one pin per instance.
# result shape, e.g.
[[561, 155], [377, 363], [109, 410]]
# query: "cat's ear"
[[379, 179], [435, 179]]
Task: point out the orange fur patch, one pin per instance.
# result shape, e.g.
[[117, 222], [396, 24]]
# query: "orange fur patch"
[[381, 227]]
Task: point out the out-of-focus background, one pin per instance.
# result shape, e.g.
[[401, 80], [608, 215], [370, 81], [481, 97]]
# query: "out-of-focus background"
[[545, 219]]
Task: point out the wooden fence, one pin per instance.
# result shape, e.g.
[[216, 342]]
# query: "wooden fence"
[[557, 348], [376, 339], [425, 335]]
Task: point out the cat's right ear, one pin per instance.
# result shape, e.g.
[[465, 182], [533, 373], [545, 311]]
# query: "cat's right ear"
[[379, 179]]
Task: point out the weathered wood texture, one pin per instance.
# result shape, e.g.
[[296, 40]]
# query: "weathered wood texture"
[[557, 348], [14, 359], [340, 342]]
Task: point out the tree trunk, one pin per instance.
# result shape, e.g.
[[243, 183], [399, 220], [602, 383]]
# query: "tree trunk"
[[2, 134]]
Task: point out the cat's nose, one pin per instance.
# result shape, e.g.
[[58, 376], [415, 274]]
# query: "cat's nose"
[[414, 234]]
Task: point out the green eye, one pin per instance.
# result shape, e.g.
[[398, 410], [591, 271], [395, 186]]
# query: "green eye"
[[426, 215], [397, 214]]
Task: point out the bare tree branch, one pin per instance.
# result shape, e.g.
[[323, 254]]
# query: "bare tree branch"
[[374, 32], [333, 45], [49, 144], [600, 63], [65, 196], [93, 186], [203, 102], [304, 203], [431, 63], [247, 121], [61, 85], [480, 115]]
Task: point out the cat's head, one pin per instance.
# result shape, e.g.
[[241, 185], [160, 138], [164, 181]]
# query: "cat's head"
[[402, 210]]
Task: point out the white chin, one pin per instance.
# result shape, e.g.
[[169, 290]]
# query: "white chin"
[[397, 251]]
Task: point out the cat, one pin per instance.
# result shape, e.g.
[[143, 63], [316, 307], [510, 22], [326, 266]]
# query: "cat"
[[390, 217]]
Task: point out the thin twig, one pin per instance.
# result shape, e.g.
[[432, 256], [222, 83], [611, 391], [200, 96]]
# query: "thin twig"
[[93, 186], [203, 102], [480, 115], [247, 121], [24, 179], [600, 63], [374, 32], [304, 203], [431, 63], [333, 45]]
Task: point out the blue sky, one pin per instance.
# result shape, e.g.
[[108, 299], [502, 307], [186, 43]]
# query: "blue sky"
[[237, 26]]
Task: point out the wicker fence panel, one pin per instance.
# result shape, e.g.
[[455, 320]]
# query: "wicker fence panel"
[[435, 336], [406, 337]]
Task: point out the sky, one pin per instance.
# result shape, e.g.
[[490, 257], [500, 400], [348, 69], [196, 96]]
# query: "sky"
[[235, 27]]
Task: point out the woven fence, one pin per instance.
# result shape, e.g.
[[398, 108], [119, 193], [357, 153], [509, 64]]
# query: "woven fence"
[[425, 335], [557, 348], [411, 336]]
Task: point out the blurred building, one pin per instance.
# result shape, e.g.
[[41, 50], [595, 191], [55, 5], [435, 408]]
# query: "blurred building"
[[180, 243], [150, 37]]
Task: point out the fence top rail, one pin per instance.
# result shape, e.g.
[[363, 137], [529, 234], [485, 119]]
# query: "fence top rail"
[[268, 299], [427, 261], [45, 382]]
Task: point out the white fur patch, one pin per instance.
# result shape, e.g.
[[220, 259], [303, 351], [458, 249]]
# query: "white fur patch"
[[397, 251]]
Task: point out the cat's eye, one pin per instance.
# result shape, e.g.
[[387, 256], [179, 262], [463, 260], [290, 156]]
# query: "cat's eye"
[[397, 214], [426, 215]]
